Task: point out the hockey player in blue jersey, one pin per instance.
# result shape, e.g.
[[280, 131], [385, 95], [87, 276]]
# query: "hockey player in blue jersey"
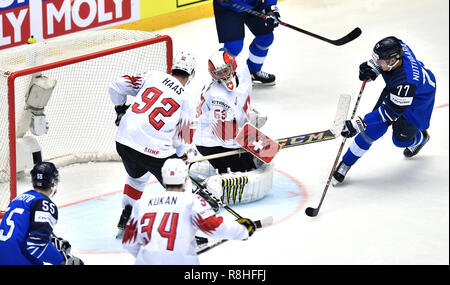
[[406, 104], [26, 230], [230, 25]]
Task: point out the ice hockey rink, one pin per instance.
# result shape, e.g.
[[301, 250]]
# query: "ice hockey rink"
[[390, 210]]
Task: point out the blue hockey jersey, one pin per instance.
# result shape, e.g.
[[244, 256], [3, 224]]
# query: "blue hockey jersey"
[[250, 4], [410, 93], [25, 231]]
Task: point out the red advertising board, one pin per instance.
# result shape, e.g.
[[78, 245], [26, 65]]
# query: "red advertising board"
[[50, 18]]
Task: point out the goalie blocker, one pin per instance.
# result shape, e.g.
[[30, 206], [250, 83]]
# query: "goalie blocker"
[[242, 187]]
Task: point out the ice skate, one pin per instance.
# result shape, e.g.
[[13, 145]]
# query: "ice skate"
[[413, 150], [263, 78], [124, 217], [339, 174]]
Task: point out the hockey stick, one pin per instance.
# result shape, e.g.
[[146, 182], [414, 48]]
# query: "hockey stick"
[[312, 212], [267, 221], [259, 223], [347, 38], [285, 143], [209, 245], [332, 133]]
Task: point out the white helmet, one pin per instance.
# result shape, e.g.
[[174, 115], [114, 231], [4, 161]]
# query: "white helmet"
[[222, 67], [184, 61], [174, 172]]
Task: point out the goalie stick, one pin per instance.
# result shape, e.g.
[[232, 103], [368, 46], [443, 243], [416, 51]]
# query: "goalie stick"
[[312, 212], [346, 39], [329, 134]]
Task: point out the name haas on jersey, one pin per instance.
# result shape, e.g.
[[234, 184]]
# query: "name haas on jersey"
[[173, 86]]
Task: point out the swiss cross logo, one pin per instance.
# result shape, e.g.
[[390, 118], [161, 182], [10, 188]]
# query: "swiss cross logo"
[[257, 143], [172, 173], [230, 85]]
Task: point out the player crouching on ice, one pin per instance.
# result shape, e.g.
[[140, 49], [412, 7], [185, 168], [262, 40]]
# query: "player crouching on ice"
[[224, 108], [26, 231], [406, 104], [163, 226]]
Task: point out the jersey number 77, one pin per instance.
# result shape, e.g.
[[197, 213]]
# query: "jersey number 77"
[[149, 97]]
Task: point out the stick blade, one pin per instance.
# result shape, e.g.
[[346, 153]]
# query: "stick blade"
[[311, 212], [341, 114], [348, 38], [264, 222]]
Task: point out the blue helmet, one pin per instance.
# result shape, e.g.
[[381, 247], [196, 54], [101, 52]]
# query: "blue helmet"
[[44, 175]]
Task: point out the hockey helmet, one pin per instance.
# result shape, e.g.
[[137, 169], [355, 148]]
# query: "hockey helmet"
[[44, 175], [174, 172], [386, 49], [184, 61], [222, 67]]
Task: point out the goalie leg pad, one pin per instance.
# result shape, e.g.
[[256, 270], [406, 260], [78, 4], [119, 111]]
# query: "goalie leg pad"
[[241, 187]]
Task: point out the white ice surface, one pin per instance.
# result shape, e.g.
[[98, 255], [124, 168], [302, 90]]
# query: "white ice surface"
[[390, 210]]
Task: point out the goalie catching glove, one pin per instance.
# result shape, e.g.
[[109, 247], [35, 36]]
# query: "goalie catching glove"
[[249, 224], [120, 111], [64, 247]]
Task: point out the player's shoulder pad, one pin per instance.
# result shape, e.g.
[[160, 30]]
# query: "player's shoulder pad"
[[45, 211]]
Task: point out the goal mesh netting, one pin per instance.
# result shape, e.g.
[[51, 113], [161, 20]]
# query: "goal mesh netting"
[[80, 114]]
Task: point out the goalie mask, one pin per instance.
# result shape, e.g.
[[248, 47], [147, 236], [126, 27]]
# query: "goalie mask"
[[222, 67], [44, 175], [186, 62], [174, 172]]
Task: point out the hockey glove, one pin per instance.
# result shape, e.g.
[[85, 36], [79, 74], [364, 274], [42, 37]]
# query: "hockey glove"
[[64, 247], [367, 70], [61, 244], [249, 224], [273, 16], [353, 127], [120, 110]]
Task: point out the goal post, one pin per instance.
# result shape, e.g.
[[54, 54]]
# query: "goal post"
[[54, 102]]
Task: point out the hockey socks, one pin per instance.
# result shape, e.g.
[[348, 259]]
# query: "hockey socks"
[[358, 148], [258, 50]]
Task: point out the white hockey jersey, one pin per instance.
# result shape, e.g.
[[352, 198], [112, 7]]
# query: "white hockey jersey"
[[162, 228], [158, 121], [221, 113]]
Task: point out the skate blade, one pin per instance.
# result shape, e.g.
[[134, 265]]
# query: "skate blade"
[[120, 234], [335, 183], [260, 84]]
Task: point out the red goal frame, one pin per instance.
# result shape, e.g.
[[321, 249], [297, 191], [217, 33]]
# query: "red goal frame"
[[11, 91]]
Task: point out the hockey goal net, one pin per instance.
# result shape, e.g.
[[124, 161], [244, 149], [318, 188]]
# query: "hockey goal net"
[[54, 103]]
